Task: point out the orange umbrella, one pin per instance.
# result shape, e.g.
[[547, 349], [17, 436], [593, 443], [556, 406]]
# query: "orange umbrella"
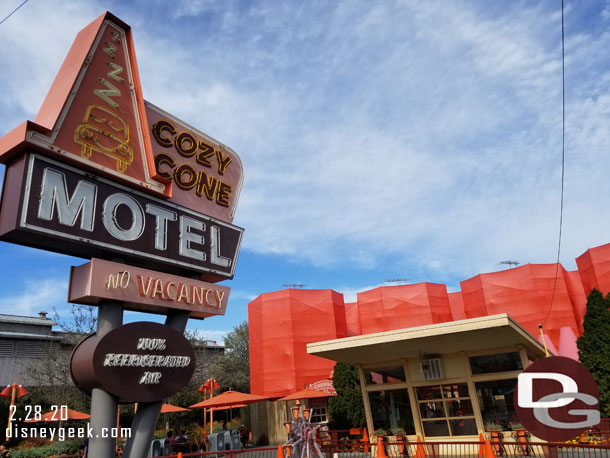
[[232, 406], [59, 415], [307, 394], [228, 399], [169, 408]]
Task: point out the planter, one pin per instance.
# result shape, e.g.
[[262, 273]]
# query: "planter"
[[496, 437], [394, 445], [521, 437], [380, 448]]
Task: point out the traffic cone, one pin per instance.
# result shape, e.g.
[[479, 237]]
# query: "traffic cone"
[[420, 451], [280, 452], [366, 440], [481, 446], [179, 455], [489, 451], [380, 448]]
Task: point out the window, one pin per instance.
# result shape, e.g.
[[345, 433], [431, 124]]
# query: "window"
[[446, 410], [496, 400], [318, 410], [391, 408], [501, 362], [381, 375]]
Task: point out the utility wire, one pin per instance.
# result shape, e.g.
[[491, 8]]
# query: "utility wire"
[[13, 12], [563, 155]]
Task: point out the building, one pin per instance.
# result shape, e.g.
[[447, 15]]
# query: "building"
[[283, 323], [440, 381], [33, 354], [23, 342]]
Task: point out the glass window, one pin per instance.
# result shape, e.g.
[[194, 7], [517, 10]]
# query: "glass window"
[[501, 362], [496, 401], [380, 375], [428, 392], [436, 428], [391, 408], [446, 410], [463, 427], [318, 410], [459, 408], [431, 409], [459, 390]]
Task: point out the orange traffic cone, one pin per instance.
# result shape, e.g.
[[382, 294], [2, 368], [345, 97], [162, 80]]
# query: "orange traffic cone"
[[280, 452], [366, 440], [179, 455], [420, 451], [489, 451], [380, 448], [481, 446]]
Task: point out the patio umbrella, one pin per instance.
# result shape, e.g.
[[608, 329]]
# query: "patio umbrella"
[[169, 408], [56, 415], [307, 394], [236, 406], [229, 400]]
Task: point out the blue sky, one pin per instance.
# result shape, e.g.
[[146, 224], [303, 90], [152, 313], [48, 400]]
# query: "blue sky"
[[392, 139]]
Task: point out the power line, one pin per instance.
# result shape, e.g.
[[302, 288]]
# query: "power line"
[[13, 12], [563, 151]]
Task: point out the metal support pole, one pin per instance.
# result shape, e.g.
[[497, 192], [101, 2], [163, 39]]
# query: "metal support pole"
[[103, 404], [144, 421]]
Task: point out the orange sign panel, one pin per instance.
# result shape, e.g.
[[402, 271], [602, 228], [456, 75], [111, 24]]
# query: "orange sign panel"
[[204, 172], [145, 290], [95, 117]]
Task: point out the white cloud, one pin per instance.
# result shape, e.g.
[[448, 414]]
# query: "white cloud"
[[35, 296], [350, 294], [424, 131], [217, 336]]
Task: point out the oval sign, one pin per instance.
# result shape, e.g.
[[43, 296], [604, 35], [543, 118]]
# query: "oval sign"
[[136, 362]]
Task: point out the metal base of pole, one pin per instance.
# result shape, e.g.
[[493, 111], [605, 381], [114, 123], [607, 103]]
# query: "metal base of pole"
[[103, 404], [143, 424]]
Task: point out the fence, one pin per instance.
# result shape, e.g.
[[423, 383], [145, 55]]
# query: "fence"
[[265, 452], [435, 450], [489, 449]]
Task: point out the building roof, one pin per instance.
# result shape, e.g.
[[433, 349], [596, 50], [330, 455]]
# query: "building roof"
[[16, 319], [469, 335], [29, 335]]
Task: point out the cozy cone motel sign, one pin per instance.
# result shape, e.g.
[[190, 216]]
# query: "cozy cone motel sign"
[[103, 174]]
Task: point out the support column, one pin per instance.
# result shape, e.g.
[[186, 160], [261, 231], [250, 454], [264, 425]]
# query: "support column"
[[145, 420], [103, 404]]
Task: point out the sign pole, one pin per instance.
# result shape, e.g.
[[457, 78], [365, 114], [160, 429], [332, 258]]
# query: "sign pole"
[[103, 404], [103, 173], [145, 420]]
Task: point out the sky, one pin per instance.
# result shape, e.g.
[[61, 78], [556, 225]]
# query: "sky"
[[380, 140]]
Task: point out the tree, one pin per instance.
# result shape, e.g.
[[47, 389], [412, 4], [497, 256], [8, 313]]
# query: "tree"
[[346, 410], [52, 371], [594, 346], [232, 370]]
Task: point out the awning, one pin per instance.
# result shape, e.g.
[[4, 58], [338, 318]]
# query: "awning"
[[474, 334]]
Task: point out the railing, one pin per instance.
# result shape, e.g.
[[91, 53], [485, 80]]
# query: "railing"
[[264, 452], [476, 449]]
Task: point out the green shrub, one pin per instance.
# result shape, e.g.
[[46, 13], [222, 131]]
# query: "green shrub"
[[58, 448]]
